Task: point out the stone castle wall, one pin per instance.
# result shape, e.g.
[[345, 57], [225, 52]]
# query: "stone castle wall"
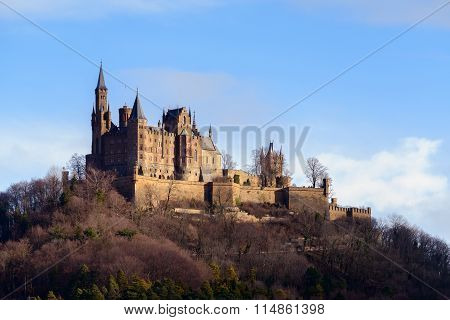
[[306, 199], [145, 190], [336, 212]]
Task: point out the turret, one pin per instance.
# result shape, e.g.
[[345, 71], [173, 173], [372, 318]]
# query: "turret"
[[326, 187], [136, 123], [124, 116], [101, 93], [101, 115], [137, 114], [194, 125]]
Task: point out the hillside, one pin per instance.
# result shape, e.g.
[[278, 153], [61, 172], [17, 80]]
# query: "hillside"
[[87, 242]]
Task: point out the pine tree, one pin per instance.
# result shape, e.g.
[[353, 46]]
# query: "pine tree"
[[113, 289], [232, 275], [312, 280], [83, 276], [215, 269], [96, 294], [206, 291], [51, 296], [122, 281]]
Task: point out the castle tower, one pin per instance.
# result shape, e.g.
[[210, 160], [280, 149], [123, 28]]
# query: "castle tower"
[[136, 124], [101, 115], [124, 116]]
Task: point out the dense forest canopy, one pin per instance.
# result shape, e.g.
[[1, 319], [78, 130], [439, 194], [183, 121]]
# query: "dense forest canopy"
[[85, 241]]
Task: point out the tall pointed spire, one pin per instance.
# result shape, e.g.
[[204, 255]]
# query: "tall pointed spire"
[[137, 113], [210, 131], [101, 79]]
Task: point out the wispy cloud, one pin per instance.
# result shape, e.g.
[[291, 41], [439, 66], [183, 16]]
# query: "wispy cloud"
[[216, 96], [32, 148], [379, 12], [399, 181], [51, 9]]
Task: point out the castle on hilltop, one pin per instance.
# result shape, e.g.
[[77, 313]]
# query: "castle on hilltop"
[[174, 149], [174, 158]]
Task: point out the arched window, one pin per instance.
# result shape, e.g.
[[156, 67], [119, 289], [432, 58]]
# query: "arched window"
[[184, 120], [195, 155]]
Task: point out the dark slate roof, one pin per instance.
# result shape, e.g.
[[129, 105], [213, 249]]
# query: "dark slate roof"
[[137, 112], [101, 79], [174, 112]]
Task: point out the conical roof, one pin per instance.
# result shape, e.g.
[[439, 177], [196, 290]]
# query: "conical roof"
[[137, 113], [101, 79]]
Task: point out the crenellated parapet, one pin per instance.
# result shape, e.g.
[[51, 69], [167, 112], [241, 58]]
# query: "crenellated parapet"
[[336, 212]]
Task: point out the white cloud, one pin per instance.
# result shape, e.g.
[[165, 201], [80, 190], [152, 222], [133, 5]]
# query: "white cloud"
[[381, 12], [31, 149], [397, 181], [97, 8]]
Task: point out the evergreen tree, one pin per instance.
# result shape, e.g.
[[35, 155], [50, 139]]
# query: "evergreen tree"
[[206, 292], [51, 296], [312, 280], [122, 280], [96, 294], [113, 289]]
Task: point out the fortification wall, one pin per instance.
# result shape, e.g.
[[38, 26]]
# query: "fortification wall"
[[152, 189], [125, 186], [224, 193], [336, 212], [306, 199], [243, 177], [258, 195], [146, 189], [360, 213]]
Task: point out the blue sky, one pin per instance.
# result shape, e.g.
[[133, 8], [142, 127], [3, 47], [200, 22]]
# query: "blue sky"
[[381, 129]]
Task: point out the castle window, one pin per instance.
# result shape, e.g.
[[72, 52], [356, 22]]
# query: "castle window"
[[184, 120], [213, 160], [195, 155]]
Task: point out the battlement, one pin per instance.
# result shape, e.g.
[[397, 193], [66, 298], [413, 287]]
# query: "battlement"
[[336, 212]]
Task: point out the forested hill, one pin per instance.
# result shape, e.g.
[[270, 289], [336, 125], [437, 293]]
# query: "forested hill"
[[88, 242]]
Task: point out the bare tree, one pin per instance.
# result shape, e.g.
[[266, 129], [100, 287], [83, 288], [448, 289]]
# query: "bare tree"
[[227, 161], [272, 171], [315, 171], [77, 166], [99, 182], [255, 165]]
